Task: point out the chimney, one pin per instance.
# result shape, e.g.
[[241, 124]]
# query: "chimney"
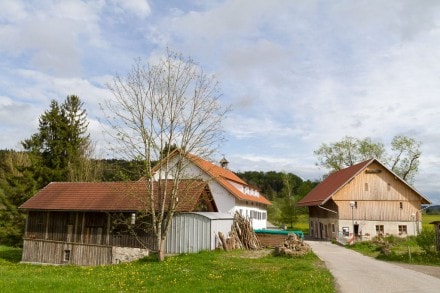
[[224, 163]]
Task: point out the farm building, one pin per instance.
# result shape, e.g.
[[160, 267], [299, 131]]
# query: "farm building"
[[364, 200], [93, 223], [231, 194]]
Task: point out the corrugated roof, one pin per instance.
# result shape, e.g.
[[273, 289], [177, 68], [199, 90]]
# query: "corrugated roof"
[[109, 196], [223, 176], [335, 181]]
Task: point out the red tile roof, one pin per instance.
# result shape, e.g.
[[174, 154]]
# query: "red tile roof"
[[223, 176], [109, 196], [335, 181]]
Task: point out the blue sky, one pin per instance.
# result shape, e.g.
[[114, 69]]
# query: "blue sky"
[[296, 73]]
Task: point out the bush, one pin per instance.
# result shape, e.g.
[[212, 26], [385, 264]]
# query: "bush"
[[426, 241]]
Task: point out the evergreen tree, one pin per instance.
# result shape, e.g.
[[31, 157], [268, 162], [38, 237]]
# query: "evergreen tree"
[[61, 144], [16, 186]]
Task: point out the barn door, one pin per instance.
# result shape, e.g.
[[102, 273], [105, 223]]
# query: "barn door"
[[356, 230]]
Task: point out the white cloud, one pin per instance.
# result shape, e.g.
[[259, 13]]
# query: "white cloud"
[[12, 10], [297, 73], [140, 8]]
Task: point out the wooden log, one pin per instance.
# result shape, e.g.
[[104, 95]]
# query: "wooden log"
[[223, 240]]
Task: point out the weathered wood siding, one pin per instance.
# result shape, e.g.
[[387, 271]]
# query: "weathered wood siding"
[[271, 240], [54, 252], [89, 228], [379, 195], [88, 236]]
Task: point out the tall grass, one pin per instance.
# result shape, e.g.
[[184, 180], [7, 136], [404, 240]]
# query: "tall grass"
[[427, 219], [217, 271]]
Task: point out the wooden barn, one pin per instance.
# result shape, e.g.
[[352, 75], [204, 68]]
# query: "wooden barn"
[[364, 200], [94, 223]]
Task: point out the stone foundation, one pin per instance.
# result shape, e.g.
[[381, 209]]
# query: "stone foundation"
[[127, 254]]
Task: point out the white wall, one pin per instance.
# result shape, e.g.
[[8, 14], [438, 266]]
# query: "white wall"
[[246, 211], [225, 201]]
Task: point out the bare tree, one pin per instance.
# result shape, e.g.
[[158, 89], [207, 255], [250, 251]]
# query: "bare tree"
[[156, 108], [85, 168]]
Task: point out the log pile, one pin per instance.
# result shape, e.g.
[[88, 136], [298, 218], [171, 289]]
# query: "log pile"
[[293, 246], [242, 236]]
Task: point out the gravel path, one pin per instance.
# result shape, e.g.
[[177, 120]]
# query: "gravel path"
[[355, 272]]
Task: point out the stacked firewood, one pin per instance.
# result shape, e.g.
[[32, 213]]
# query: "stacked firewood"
[[241, 236], [293, 246]]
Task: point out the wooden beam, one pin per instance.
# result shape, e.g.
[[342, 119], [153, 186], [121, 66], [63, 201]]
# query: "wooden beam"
[[107, 236], [76, 227], [46, 233], [82, 226]]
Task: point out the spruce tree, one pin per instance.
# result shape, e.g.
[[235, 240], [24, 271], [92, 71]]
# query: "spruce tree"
[[61, 142]]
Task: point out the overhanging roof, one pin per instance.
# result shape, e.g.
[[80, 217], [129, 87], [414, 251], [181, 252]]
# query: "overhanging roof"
[[110, 196], [337, 180], [222, 176]]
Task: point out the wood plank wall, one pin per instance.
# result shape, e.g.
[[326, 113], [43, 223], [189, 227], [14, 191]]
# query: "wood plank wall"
[[53, 252], [84, 227], [378, 196]]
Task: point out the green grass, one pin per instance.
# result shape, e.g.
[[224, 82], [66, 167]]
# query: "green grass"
[[302, 223], [216, 271], [426, 219], [404, 250]]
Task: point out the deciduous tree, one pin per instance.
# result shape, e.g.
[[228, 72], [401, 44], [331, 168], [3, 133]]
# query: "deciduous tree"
[[156, 108], [403, 160]]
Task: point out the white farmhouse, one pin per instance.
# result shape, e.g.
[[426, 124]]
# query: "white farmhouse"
[[231, 194]]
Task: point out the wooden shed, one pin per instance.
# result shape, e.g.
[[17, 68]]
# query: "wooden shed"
[[93, 223], [362, 201]]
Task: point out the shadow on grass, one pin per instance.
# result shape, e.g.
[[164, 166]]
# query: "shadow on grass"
[[10, 254]]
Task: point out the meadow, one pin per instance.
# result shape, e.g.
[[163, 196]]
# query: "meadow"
[[406, 250], [216, 271]]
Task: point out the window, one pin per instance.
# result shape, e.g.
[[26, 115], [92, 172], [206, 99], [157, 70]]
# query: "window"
[[401, 205], [356, 204], [66, 255], [402, 229], [379, 229], [333, 228]]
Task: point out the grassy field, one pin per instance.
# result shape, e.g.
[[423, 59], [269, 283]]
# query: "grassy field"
[[402, 249], [302, 223], [426, 219], [218, 271]]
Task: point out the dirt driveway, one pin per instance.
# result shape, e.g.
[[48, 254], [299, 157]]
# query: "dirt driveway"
[[355, 272]]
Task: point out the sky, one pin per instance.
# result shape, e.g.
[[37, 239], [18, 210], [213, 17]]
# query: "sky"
[[295, 73]]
